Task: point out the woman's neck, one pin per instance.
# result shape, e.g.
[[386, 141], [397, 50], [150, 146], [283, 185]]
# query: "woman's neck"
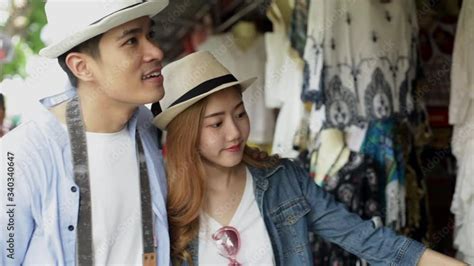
[[220, 178], [224, 190]]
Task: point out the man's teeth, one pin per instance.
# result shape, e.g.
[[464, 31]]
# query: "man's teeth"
[[152, 75]]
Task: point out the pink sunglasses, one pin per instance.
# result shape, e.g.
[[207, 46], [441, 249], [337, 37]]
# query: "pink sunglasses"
[[228, 243]]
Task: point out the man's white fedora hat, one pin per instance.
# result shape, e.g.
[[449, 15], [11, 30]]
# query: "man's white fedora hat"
[[71, 22], [190, 79]]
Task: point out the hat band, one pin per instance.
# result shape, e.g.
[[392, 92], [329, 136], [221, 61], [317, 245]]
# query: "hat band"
[[202, 88], [130, 6]]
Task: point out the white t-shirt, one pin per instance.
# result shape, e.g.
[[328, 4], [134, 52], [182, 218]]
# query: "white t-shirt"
[[115, 199], [255, 246]]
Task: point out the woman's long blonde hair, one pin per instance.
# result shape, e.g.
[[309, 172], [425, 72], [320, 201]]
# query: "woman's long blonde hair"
[[186, 177]]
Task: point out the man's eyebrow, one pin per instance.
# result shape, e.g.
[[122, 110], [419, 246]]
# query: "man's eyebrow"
[[130, 32], [133, 31]]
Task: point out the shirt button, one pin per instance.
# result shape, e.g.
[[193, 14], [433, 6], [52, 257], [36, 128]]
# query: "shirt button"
[[73, 189], [71, 228]]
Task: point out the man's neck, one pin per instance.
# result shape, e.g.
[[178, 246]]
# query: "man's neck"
[[101, 114]]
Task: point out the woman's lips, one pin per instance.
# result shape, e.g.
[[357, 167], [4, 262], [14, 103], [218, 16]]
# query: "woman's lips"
[[235, 148]]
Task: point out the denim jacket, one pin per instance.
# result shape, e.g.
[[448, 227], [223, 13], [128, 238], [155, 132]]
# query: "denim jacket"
[[292, 206]]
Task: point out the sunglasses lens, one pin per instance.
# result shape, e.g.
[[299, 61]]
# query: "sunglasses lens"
[[228, 241]]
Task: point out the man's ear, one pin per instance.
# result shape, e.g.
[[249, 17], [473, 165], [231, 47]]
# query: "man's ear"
[[80, 65]]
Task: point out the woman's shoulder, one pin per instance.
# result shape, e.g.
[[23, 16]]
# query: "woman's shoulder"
[[284, 168]]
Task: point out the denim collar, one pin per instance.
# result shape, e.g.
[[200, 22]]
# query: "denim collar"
[[261, 175]]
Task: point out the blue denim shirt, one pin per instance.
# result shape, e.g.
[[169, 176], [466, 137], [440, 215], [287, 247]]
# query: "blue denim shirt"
[[292, 206], [40, 227]]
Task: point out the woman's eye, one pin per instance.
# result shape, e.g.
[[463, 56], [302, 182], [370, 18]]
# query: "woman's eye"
[[216, 125]]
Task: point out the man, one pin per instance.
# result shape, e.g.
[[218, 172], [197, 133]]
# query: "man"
[[83, 183]]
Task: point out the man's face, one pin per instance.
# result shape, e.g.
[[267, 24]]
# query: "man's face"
[[129, 67]]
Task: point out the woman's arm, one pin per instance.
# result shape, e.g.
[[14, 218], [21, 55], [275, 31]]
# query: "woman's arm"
[[379, 246], [433, 258]]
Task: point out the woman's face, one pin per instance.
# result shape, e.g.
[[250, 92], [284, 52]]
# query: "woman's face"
[[224, 130]]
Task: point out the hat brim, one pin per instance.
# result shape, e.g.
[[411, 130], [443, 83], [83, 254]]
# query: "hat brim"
[[164, 118], [149, 9]]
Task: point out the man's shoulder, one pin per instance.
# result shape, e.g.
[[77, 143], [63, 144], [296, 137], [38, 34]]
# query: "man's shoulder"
[[21, 134], [33, 136]]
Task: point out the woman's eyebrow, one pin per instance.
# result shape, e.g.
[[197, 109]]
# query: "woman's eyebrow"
[[222, 113]]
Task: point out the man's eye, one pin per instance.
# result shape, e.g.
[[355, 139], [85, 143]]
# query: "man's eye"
[[152, 34], [131, 41]]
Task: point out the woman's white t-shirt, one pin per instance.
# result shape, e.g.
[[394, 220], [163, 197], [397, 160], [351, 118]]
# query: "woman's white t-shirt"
[[255, 245]]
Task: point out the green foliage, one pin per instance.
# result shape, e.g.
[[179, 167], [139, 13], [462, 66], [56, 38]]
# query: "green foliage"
[[29, 42]]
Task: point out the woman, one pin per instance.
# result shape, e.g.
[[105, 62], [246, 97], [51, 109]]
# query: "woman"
[[225, 207]]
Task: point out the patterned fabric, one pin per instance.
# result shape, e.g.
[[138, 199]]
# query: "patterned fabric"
[[298, 27], [382, 146], [361, 59], [356, 186]]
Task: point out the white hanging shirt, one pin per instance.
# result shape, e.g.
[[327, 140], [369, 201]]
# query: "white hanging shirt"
[[462, 205], [255, 245], [115, 198], [361, 58], [284, 81], [461, 115], [462, 72]]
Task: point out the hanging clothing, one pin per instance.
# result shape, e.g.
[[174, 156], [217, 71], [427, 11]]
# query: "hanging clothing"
[[361, 58], [436, 42], [291, 112], [462, 72], [298, 26], [276, 45], [462, 205], [356, 186], [246, 64], [461, 115], [284, 77], [381, 145]]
